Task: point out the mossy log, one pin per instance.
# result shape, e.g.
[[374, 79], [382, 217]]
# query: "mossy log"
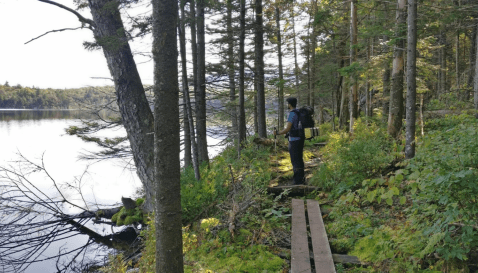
[[294, 190]]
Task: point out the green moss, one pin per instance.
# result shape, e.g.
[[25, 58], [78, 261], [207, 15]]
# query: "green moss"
[[139, 201]]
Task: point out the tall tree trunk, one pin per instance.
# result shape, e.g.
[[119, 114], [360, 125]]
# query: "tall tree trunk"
[[242, 113], [442, 77], [396, 98], [136, 115], [471, 75], [188, 115], [368, 111], [313, 40], [169, 247], [281, 73], [296, 64], [309, 79], [194, 51], [184, 81], [386, 83], [353, 99], [201, 90], [259, 52], [256, 87], [457, 61], [411, 79], [187, 133], [231, 69], [475, 87]]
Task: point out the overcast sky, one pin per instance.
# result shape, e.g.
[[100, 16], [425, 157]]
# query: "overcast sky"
[[57, 60]]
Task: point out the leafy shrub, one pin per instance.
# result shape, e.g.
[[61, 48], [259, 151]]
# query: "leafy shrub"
[[348, 160]]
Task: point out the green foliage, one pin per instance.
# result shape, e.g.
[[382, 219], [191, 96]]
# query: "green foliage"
[[403, 221], [348, 160], [129, 216], [116, 264], [19, 97]]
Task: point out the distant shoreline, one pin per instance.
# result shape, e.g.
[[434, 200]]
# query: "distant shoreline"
[[19, 109]]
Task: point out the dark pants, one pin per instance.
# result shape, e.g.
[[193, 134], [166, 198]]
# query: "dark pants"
[[296, 151]]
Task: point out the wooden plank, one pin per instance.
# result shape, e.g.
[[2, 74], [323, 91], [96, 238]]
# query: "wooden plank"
[[320, 244], [300, 262]]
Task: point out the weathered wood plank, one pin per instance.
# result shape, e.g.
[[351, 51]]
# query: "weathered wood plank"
[[320, 244], [346, 259], [300, 262]]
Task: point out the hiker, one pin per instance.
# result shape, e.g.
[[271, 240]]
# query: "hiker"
[[296, 142]]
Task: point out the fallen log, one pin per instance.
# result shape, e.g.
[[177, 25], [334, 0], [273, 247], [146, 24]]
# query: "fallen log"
[[345, 259], [294, 190]]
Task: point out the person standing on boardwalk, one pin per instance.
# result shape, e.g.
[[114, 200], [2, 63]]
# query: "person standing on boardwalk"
[[296, 141]]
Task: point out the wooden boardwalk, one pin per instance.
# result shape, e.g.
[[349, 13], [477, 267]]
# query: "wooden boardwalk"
[[300, 257]]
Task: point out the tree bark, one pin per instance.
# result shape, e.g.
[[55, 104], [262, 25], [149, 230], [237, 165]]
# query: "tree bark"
[[259, 52], [281, 73], [189, 127], [396, 97], [201, 90], [411, 79], [136, 114], [169, 248]]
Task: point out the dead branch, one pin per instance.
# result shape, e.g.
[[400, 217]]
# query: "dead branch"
[[51, 31]]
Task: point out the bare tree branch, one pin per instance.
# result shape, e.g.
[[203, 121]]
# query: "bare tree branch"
[[57, 30]]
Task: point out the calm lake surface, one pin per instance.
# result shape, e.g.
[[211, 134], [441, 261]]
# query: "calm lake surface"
[[36, 134]]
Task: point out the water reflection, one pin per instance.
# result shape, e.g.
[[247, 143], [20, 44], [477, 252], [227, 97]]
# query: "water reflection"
[[14, 114]]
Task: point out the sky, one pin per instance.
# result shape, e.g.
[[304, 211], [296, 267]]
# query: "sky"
[[57, 60]]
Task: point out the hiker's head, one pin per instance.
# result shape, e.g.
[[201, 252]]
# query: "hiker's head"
[[292, 101]]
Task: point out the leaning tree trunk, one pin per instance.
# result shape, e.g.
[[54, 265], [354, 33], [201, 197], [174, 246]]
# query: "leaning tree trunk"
[[136, 115], [259, 52], [396, 99], [411, 79], [201, 88], [189, 127], [169, 247]]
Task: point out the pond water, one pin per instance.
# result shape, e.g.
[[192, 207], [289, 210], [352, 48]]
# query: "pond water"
[[41, 134]]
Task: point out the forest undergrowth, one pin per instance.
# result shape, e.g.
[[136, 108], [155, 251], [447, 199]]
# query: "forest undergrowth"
[[396, 215]]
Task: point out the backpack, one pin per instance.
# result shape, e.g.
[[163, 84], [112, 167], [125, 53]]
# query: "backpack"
[[306, 120]]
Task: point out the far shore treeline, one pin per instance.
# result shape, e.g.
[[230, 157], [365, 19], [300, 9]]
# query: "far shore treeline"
[[19, 97]]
